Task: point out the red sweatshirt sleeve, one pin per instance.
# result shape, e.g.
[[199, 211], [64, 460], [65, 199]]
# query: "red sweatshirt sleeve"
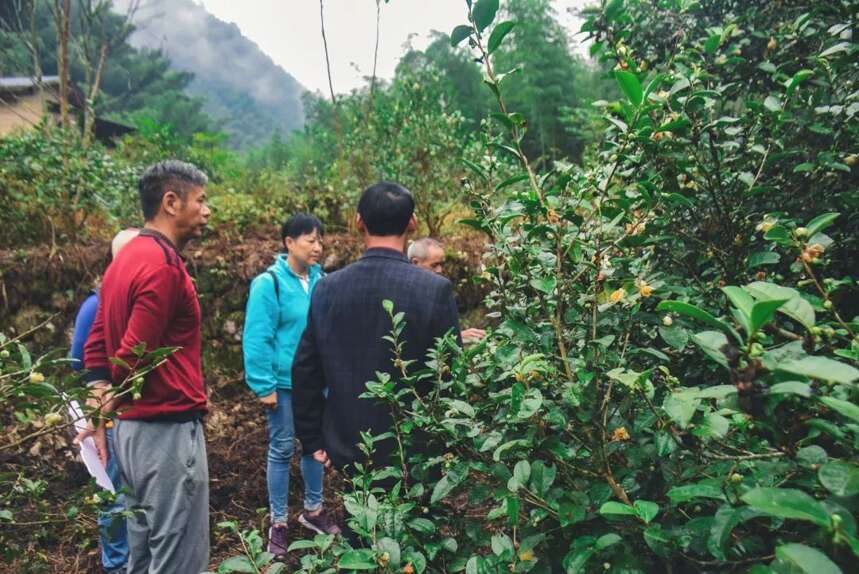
[[155, 300], [95, 351]]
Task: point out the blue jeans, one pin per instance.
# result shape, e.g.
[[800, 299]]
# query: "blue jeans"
[[111, 526], [281, 435]]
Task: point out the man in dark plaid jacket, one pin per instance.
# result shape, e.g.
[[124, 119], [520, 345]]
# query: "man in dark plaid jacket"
[[342, 346]]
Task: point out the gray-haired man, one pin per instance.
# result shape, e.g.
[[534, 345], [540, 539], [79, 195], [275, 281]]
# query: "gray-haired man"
[[148, 299], [428, 254]]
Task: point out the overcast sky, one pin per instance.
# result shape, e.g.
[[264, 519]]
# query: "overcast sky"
[[289, 32]]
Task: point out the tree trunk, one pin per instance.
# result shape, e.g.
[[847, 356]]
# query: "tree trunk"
[[62, 18], [33, 47], [89, 109]]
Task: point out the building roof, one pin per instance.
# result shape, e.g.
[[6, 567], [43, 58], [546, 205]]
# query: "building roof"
[[24, 83]]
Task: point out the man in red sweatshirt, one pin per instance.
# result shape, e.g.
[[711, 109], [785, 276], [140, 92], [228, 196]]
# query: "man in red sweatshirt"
[[147, 302]]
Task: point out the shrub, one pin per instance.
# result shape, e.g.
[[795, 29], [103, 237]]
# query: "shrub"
[[671, 386]]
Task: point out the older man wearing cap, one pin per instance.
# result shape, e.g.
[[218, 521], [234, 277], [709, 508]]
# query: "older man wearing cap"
[[111, 524]]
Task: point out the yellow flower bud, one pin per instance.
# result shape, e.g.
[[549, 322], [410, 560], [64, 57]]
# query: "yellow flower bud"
[[52, 419], [620, 434], [526, 555], [617, 295], [37, 377], [766, 226]]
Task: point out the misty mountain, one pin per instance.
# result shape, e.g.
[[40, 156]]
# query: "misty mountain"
[[249, 95]]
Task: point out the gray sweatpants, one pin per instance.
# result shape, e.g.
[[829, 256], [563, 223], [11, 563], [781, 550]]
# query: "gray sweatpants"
[[164, 466]]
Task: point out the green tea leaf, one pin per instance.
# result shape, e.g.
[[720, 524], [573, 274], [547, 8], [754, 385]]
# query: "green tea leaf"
[[787, 503], [796, 80], [448, 482], [822, 368], [630, 85], [796, 307], [237, 564], [805, 559], [607, 540], [676, 337], [847, 409], [712, 43], [617, 508], [694, 312], [521, 474], [791, 388], [646, 510], [484, 13], [688, 492], [763, 312], [681, 407], [740, 299], [727, 518], [301, 545], [459, 34], [363, 559], [545, 285], [498, 34], [760, 258], [712, 343], [840, 478], [821, 222]]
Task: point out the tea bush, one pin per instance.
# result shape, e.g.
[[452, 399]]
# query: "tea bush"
[[672, 382]]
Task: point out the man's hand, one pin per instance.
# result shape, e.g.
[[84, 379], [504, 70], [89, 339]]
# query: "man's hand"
[[472, 335], [321, 457], [101, 400], [269, 401], [98, 435]]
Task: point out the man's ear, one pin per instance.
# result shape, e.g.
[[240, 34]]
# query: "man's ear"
[[285, 244], [359, 223], [413, 223], [171, 202]]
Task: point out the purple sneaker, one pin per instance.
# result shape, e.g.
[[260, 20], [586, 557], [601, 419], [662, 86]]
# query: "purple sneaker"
[[277, 539], [322, 523]]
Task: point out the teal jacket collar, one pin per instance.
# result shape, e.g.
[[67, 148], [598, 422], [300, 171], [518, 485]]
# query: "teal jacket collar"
[[281, 267]]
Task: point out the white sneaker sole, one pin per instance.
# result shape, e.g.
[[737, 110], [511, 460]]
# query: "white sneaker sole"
[[307, 524]]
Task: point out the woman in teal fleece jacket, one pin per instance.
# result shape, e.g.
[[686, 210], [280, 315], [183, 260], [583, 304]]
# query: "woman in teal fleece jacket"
[[274, 322]]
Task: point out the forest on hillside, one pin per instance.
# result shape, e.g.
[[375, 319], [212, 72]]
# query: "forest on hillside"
[[661, 239], [187, 70]]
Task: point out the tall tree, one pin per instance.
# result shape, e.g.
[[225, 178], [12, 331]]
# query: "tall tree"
[[62, 11], [134, 85], [551, 79], [100, 34], [461, 82], [19, 29]]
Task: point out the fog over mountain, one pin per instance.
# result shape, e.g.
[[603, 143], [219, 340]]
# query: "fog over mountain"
[[245, 90]]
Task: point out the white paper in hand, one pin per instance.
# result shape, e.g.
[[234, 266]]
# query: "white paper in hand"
[[89, 452]]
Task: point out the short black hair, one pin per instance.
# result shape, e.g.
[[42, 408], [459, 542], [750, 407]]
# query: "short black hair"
[[177, 175], [386, 208], [301, 224]]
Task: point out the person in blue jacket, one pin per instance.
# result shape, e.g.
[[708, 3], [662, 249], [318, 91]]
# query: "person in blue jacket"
[[111, 525], [275, 318]]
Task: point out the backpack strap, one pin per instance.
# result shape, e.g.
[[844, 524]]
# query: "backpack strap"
[[276, 286]]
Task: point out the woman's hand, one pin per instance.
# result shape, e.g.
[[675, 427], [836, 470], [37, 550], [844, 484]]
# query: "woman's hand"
[[269, 401]]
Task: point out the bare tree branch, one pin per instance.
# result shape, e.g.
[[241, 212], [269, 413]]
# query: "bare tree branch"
[[325, 44]]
